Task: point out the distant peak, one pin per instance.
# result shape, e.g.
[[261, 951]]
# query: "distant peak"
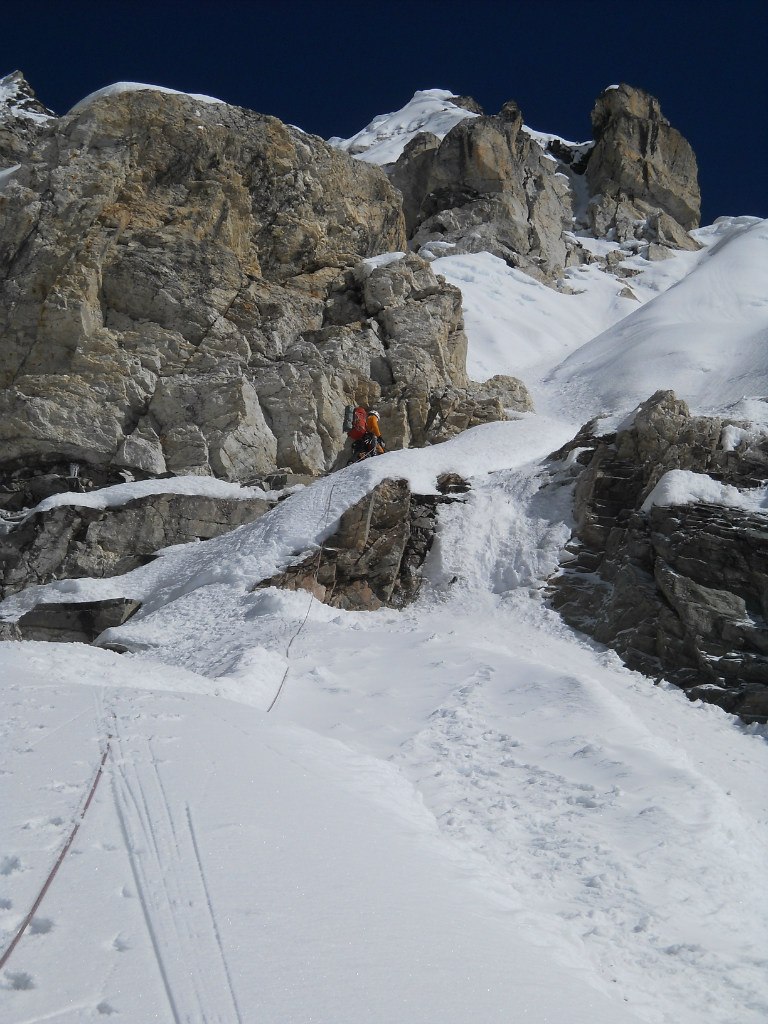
[[429, 110], [18, 98]]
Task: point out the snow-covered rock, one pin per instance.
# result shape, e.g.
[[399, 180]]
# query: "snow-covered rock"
[[669, 554], [493, 184], [431, 111], [23, 119]]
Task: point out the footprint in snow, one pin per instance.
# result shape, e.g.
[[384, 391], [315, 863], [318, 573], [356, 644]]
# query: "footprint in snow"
[[120, 944], [583, 801], [17, 981], [9, 865], [105, 1008], [63, 787], [40, 925]]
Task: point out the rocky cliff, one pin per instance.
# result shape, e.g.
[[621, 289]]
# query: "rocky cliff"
[[679, 590], [191, 287], [184, 290], [488, 186], [642, 173]]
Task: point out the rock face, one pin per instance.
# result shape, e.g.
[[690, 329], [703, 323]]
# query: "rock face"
[[488, 186], [183, 292], [374, 558], [679, 591], [642, 173], [414, 367], [151, 279], [185, 285], [148, 250], [69, 623]]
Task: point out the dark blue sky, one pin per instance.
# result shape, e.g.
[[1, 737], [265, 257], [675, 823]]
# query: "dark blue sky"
[[329, 67]]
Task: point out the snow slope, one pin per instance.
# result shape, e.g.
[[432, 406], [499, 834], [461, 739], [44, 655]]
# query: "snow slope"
[[281, 877], [459, 811], [705, 337], [698, 323], [429, 110]]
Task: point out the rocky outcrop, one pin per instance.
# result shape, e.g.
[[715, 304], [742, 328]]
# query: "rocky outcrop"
[[161, 256], [375, 556], [642, 173], [679, 591], [183, 292], [73, 542], [488, 186], [452, 410], [69, 623], [493, 185], [413, 367], [185, 286]]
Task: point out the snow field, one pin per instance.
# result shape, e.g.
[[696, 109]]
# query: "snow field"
[[697, 325], [580, 786], [704, 338], [572, 805], [281, 877]]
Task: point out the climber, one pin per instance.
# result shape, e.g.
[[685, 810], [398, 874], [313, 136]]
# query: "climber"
[[365, 433], [373, 430]]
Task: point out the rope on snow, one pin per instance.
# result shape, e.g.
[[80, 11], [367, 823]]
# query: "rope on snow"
[[62, 854]]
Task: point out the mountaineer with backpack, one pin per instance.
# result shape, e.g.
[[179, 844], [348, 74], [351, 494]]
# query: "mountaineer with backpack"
[[363, 430]]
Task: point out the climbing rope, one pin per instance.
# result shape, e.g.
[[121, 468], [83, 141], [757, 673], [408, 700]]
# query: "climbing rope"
[[309, 605], [59, 860], [100, 769]]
